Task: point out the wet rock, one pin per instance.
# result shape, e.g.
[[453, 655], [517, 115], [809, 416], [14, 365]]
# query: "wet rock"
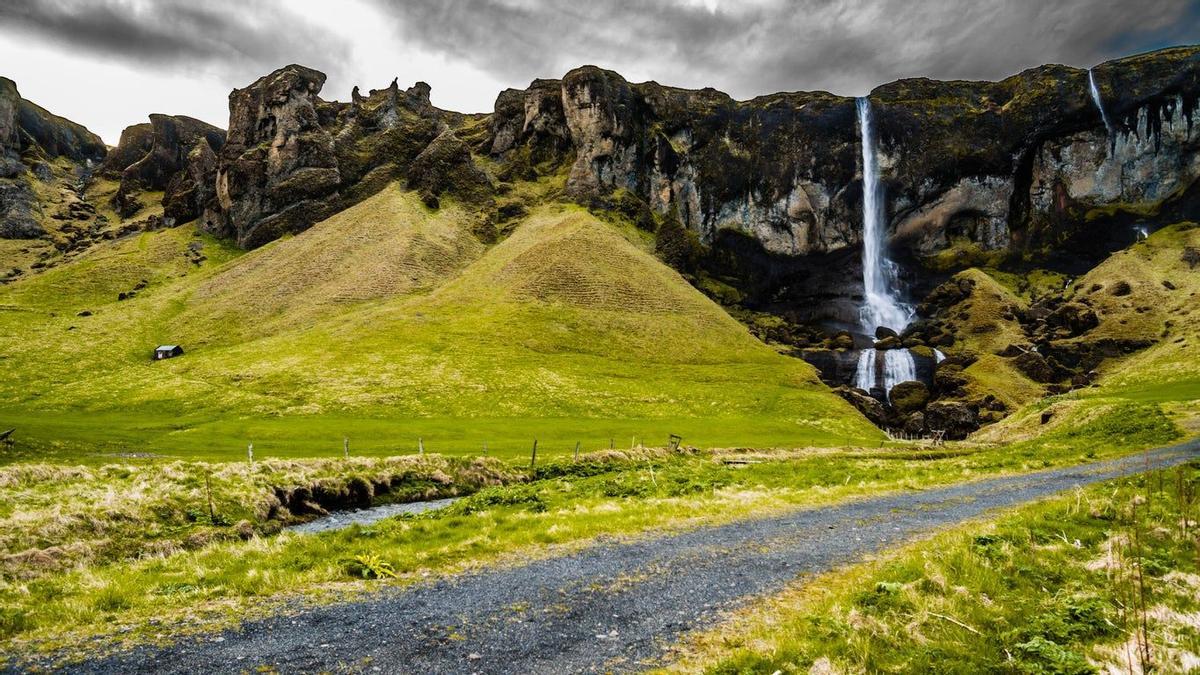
[[890, 342], [883, 332]]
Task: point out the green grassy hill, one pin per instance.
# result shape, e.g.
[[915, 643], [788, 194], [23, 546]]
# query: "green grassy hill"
[[388, 323]]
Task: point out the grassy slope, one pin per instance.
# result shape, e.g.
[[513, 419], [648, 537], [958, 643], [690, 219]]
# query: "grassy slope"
[[1165, 375], [388, 323]]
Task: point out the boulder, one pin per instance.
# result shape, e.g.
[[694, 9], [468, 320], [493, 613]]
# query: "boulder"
[[870, 407], [884, 332], [890, 342], [956, 418], [1035, 367], [908, 397], [948, 380]]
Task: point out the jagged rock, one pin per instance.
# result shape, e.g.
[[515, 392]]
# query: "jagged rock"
[[870, 407], [1034, 366], [277, 159], [907, 397], [192, 188], [136, 140], [956, 418], [446, 166], [53, 136], [1076, 317], [18, 208]]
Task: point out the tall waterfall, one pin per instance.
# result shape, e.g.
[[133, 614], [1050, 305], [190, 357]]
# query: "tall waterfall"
[[895, 366], [881, 307], [1095, 91]]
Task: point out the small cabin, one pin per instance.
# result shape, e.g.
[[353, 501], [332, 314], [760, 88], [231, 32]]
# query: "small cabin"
[[167, 352]]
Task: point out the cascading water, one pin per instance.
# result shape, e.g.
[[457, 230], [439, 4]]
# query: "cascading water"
[[881, 306], [895, 366], [1095, 92]]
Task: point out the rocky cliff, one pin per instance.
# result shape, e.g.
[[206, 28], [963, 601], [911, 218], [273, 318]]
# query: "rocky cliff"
[[36, 147], [158, 156], [291, 158], [1023, 166]]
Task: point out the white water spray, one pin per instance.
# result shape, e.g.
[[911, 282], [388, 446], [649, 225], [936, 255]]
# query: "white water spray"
[[1140, 232], [880, 307], [938, 356], [1095, 91], [895, 366]]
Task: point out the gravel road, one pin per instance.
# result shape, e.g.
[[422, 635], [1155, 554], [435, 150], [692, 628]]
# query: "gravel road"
[[614, 606]]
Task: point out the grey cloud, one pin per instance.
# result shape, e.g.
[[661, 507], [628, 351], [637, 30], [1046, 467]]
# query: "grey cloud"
[[757, 47], [241, 40]]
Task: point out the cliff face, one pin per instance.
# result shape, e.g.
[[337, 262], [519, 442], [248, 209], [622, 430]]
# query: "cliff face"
[[1023, 165], [292, 158], [30, 139], [155, 156]]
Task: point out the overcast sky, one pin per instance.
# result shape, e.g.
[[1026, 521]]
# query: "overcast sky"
[[109, 63]]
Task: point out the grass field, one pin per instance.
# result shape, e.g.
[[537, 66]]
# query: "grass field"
[[390, 323]]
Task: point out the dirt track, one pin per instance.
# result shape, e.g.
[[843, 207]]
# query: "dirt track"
[[614, 606]]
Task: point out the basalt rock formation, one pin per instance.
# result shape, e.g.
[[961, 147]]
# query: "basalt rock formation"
[[1023, 165], [30, 140], [291, 158], [157, 156]]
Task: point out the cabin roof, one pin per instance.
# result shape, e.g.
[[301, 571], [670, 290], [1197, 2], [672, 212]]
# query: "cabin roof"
[[167, 347]]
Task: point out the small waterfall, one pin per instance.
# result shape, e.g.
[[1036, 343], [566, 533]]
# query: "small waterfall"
[[880, 307], [895, 366], [938, 356], [1095, 91], [1141, 232]]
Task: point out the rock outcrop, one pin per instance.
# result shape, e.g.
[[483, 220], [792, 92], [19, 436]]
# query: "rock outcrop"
[[31, 138], [291, 158], [1024, 165], [156, 156]]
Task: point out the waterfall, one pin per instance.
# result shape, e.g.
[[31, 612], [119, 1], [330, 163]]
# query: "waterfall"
[[897, 366], [1141, 232], [880, 307], [938, 356], [1095, 91]]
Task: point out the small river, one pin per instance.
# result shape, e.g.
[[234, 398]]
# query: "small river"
[[342, 519]]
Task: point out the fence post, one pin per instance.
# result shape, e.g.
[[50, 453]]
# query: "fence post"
[[212, 513], [576, 451], [485, 448], [533, 456], [250, 453], [420, 445], [346, 446]]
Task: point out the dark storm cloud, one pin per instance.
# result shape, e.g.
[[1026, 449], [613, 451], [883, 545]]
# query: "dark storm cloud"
[[241, 39], [755, 47]]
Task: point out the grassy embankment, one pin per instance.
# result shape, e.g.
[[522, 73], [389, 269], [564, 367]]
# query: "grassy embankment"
[[388, 323], [1106, 579]]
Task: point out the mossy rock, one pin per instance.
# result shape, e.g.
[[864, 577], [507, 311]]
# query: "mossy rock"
[[907, 397]]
